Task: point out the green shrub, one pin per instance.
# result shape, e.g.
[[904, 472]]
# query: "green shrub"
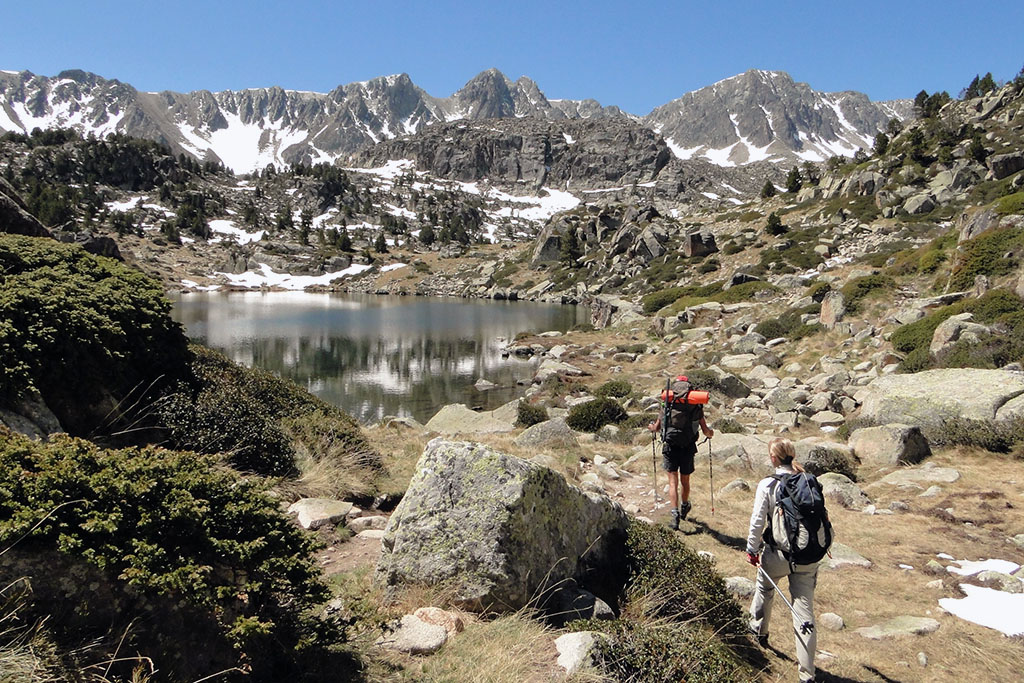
[[227, 408], [858, 289], [592, 415], [732, 248], [583, 327], [709, 266], [92, 335], [176, 528], [658, 653], [986, 254], [638, 420], [655, 301], [818, 290], [528, 414], [615, 388], [1010, 204], [631, 348]]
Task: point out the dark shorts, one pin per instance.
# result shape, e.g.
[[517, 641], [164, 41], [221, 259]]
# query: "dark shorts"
[[678, 458]]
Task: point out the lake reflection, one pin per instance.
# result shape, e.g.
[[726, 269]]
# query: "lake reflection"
[[376, 355]]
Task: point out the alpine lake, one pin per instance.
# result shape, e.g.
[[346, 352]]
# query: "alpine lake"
[[374, 355]]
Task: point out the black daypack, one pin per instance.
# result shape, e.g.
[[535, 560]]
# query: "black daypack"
[[681, 418], [799, 525]]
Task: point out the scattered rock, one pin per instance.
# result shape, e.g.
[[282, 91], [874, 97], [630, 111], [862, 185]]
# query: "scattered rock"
[[736, 485], [358, 524], [314, 513], [892, 444], [844, 556], [831, 621], [553, 433], [569, 604], [575, 650], [415, 637], [456, 418], [451, 621], [899, 626], [841, 489], [740, 586], [917, 475]]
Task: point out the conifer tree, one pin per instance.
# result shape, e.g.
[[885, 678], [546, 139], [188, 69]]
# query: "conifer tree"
[[570, 251], [427, 235], [881, 144], [380, 245], [768, 190], [793, 180], [774, 225]]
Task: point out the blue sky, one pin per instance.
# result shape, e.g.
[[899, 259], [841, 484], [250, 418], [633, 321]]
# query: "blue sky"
[[635, 54]]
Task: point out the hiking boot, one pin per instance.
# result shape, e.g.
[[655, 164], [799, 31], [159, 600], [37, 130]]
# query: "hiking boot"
[[762, 639], [684, 509], [674, 524]]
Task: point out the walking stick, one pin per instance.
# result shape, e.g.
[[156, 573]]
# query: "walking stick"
[[654, 461], [711, 476], [805, 627]]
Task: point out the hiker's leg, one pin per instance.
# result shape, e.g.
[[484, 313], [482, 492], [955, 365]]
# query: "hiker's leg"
[[684, 487], [673, 489], [801, 588], [761, 606]]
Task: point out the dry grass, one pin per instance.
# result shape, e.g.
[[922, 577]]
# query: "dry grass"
[[864, 597]]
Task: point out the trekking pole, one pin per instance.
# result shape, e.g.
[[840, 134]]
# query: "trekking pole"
[[654, 461], [711, 477], [805, 627]]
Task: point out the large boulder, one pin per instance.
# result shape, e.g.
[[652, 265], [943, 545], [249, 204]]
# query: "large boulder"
[[833, 308], [1003, 165], [498, 530], [891, 444], [932, 398], [953, 329], [456, 418], [699, 243], [820, 457], [553, 433]]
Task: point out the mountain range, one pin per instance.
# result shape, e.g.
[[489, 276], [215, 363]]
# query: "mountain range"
[[755, 116]]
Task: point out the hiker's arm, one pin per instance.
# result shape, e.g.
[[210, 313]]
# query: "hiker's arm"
[[656, 425], [704, 428], [758, 517]]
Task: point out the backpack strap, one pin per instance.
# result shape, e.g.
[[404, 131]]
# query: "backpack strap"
[[773, 487]]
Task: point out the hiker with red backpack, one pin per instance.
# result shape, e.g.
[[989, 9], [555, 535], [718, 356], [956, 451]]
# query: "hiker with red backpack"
[[681, 416], [790, 523]]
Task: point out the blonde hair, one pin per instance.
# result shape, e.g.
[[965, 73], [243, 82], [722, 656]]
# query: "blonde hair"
[[783, 450]]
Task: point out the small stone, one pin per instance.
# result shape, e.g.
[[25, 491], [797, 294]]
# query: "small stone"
[[934, 585], [414, 636], [371, 534], [740, 586], [930, 492], [922, 659], [898, 506], [899, 626], [363, 523], [831, 621], [451, 621], [314, 513]]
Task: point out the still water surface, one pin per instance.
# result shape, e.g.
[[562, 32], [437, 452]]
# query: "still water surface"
[[376, 355]]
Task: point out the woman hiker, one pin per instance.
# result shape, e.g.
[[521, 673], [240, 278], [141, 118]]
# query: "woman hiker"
[[774, 566]]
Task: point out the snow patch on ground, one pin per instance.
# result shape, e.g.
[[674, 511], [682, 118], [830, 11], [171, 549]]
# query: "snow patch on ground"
[[684, 153], [195, 286], [393, 266], [126, 205], [266, 277], [988, 607], [969, 568], [568, 138], [390, 170], [226, 227]]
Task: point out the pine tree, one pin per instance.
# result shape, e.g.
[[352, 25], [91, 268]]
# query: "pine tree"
[[570, 251], [427, 235], [793, 180], [774, 225], [380, 245], [344, 241], [987, 84], [881, 144], [768, 190], [972, 90]]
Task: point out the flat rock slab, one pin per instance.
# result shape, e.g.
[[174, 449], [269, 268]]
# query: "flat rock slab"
[[553, 433], [900, 626], [740, 586], [844, 556], [927, 399], [456, 418], [415, 637], [922, 475], [314, 513]]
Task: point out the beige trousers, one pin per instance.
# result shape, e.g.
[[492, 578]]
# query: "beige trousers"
[[801, 591]]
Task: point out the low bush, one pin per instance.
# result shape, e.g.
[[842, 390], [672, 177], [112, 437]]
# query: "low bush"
[[679, 622], [195, 539], [858, 289], [528, 414], [1010, 204], [227, 408], [638, 420], [992, 253], [89, 333], [592, 415], [615, 388], [818, 290], [655, 301]]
